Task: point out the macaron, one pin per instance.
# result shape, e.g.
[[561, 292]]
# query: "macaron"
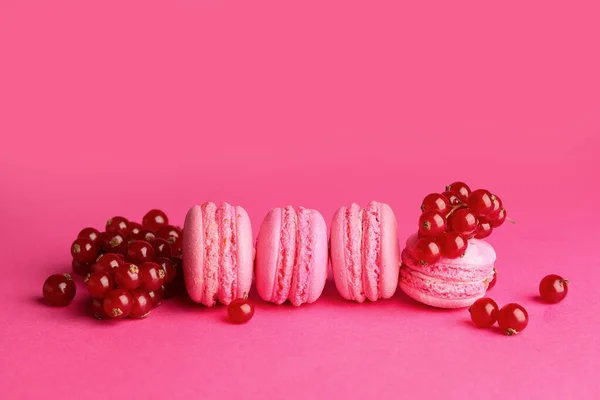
[[217, 253], [449, 283], [291, 256], [365, 254]]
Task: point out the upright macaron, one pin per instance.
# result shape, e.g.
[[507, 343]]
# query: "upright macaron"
[[365, 254], [291, 256], [449, 283], [217, 253]]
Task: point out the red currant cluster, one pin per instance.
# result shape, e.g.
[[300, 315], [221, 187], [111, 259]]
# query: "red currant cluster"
[[513, 318], [128, 268], [450, 218]]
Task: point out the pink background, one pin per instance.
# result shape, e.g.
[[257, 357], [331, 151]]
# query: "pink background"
[[113, 110]]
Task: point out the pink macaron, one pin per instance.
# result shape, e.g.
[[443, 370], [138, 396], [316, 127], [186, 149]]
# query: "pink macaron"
[[217, 253], [291, 256], [449, 283], [365, 255]]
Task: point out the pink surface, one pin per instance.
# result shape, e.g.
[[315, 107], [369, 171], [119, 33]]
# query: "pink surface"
[[115, 111]]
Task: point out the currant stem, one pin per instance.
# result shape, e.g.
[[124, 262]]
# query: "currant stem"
[[512, 221], [456, 207]]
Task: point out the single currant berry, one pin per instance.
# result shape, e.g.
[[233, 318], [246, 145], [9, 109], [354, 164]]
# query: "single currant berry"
[[143, 234], [117, 224], [427, 251], [432, 223], [493, 281], [139, 252], [156, 296], [142, 304], [452, 244], [484, 312], [127, 276], [498, 219], [554, 288], [162, 248], [83, 250], [240, 311], [173, 234], [151, 275], [154, 220], [107, 263], [114, 242], [512, 319], [59, 290], [453, 198], [481, 202], [496, 207], [436, 202], [81, 269], [169, 269], [461, 189], [133, 229], [464, 222], [484, 230], [118, 303], [93, 234], [98, 309], [99, 283]]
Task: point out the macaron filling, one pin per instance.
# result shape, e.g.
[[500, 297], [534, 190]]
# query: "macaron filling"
[[305, 243], [352, 251], [287, 255], [440, 288], [371, 250]]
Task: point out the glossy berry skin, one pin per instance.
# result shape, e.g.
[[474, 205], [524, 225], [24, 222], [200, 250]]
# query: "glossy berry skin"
[[436, 202], [107, 263], [59, 290], [142, 304], [162, 248], [427, 251], [484, 230], [169, 269], [84, 250], [156, 296], [484, 312], [461, 189], [173, 234], [143, 234], [133, 229], [99, 284], [553, 288], [432, 223], [139, 252], [118, 303], [512, 319], [496, 207], [452, 244], [114, 242], [117, 224], [154, 220], [498, 219], [481, 202], [152, 276], [494, 280], [452, 198], [464, 222], [98, 309], [81, 269], [240, 311], [93, 234], [127, 276]]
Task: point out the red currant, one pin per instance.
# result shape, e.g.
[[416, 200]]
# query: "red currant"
[[436, 202], [117, 224], [464, 222], [98, 309], [161, 247], [481, 202], [81, 269], [83, 250], [107, 263], [99, 283], [59, 290], [512, 319], [173, 234], [140, 252], [496, 207], [427, 251], [493, 281], [484, 312], [452, 244], [553, 288], [144, 235], [133, 229], [168, 267], [128, 277], [452, 198], [156, 296], [484, 230], [498, 219], [240, 311], [432, 223], [151, 275], [142, 304], [118, 303], [114, 242], [461, 189], [154, 220], [93, 234]]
